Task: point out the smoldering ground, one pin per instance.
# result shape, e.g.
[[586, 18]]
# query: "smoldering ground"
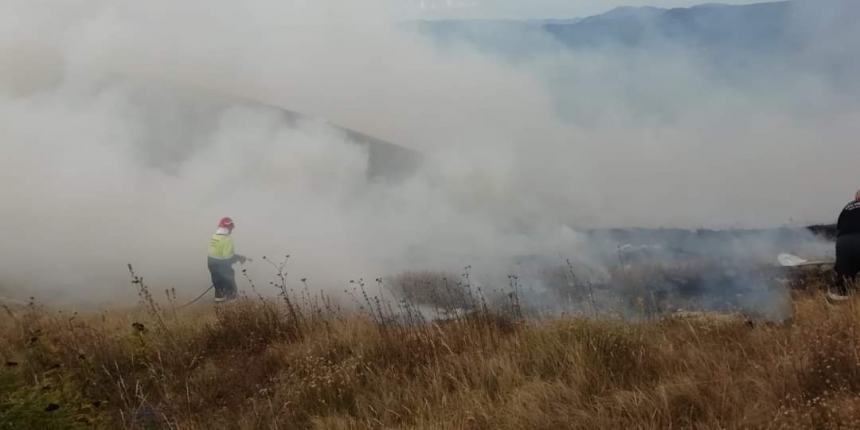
[[96, 174]]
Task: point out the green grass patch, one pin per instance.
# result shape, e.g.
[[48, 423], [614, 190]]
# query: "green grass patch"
[[44, 406]]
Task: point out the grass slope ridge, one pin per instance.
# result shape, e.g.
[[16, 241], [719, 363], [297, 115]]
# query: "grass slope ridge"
[[258, 363]]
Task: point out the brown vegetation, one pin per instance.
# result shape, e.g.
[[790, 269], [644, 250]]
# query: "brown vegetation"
[[260, 363]]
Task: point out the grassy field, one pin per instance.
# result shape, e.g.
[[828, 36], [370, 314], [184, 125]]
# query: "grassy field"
[[303, 363]]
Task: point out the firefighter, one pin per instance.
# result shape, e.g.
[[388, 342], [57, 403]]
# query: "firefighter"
[[221, 259], [848, 243]]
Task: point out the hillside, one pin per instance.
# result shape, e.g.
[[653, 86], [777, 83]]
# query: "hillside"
[[786, 32], [264, 364]]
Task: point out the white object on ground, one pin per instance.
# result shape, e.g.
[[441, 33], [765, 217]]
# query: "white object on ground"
[[790, 260]]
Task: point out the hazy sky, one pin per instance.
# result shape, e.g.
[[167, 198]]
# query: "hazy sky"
[[540, 8]]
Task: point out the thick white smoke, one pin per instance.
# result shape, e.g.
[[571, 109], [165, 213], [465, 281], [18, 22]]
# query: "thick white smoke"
[[89, 184]]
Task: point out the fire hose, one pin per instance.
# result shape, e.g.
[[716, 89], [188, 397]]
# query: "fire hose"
[[198, 297]]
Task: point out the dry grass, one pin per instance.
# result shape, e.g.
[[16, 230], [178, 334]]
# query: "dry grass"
[[259, 363]]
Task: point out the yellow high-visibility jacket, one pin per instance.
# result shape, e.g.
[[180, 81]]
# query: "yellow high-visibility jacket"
[[221, 247]]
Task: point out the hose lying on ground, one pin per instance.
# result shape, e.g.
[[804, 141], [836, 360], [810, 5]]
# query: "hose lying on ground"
[[198, 298]]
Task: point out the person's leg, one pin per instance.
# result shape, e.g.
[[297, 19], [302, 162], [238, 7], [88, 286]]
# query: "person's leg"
[[229, 282], [847, 262], [853, 268], [217, 283]]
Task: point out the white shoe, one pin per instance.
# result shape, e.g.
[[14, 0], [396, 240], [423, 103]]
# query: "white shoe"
[[219, 299]]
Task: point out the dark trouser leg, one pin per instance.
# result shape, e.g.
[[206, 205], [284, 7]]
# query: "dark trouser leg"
[[213, 274], [216, 272], [847, 261], [229, 282]]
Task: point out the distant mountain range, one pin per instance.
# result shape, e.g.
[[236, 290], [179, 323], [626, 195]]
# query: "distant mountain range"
[[779, 30], [744, 44], [756, 27]]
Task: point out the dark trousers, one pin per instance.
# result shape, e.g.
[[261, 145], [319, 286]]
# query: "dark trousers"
[[847, 259], [223, 278]]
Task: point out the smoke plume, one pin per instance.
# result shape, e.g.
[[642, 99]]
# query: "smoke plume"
[[101, 165]]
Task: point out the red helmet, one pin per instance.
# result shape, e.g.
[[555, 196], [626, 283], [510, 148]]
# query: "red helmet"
[[226, 222]]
